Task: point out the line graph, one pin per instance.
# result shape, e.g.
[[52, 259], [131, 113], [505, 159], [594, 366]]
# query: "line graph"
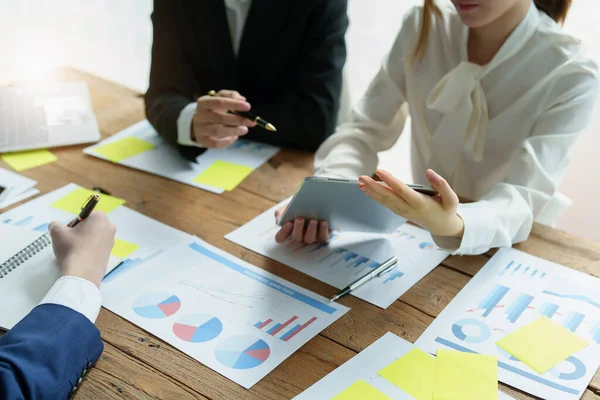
[[236, 299]]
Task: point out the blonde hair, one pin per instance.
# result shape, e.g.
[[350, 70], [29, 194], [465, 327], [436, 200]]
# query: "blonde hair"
[[556, 9]]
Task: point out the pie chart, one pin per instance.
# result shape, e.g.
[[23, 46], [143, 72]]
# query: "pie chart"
[[427, 246], [198, 328], [242, 352], [156, 305]]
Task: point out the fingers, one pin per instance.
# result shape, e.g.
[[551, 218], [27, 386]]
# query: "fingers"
[[217, 143], [384, 195], [57, 229], [218, 103], [310, 236], [211, 117], [221, 131], [449, 198], [297, 233], [284, 232], [231, 93], [323, 232], [409, 195]]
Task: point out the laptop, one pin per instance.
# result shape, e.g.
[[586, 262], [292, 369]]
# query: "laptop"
[[58, 114]]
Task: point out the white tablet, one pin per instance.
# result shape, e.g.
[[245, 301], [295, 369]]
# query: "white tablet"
[[343, 205]]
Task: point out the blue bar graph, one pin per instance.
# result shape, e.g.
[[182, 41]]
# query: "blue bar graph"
[[350, 256], [359, 261], [273, 329], [7, 221], [41, 228], [24, 221], [548, 309], [334, 252], [507, 267], [573, 320], [534, 273], [291, 331], [512, 268], [259, 323], [393, 275], [373, 264], [492, 299], [319, 247], [596, 333], [515, 270], [516, 309]]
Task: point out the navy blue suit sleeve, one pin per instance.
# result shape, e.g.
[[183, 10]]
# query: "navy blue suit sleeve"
[[46, 353]]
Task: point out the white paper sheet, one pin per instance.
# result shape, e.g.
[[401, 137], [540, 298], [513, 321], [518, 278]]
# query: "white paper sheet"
[[348, 256], [236, 318], [365, 366], [512, 290], [17, 188], [151, 236], [165, 161]]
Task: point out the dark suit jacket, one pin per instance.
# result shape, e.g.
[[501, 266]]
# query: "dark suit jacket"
[[46, 353], [289, 65]]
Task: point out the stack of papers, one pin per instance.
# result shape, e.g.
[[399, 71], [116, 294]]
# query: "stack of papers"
[[14, 188]]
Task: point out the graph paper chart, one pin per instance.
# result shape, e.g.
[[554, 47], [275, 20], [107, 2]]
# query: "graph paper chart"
[[234, 317], [497, 302]]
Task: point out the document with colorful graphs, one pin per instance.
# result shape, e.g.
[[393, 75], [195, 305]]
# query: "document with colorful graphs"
[[511, 291], [138, 238], [234, 317], [348, 256], [215, 170]]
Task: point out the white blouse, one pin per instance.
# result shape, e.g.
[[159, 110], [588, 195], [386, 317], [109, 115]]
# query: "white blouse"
[[500, 134]]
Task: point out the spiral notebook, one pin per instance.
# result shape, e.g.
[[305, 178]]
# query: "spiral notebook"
[[28, 269]]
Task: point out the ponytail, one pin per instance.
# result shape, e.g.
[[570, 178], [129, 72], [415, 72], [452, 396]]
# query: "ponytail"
[[430, 8], [556, 9]]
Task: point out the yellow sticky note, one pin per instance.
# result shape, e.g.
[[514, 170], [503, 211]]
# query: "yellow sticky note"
[[465, 376], [122, 249], [23, 160], [224, 175], [542, 344], [124, 148], [73, 202], [361, 390], [414, 373]]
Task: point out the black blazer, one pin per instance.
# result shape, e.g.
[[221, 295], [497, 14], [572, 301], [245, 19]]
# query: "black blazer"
[[289, 65]]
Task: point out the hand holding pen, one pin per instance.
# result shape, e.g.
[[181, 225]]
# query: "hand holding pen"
[[216, 123]]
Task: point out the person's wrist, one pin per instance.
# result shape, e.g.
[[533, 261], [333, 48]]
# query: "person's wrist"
[[457, 228], [77, 267]]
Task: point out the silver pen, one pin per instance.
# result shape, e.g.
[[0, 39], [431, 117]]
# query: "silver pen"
[[382, 269]]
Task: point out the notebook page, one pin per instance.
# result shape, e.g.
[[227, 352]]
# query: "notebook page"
[[14, 239]]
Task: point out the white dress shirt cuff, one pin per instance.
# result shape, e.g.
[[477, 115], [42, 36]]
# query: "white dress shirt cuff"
[[480, 227], [76, 293], [184, 126]]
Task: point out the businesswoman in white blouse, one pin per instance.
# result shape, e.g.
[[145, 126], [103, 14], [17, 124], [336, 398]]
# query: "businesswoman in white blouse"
[[497, 94]]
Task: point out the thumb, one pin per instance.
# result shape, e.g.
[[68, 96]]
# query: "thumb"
[[57, 230], [448, 196]]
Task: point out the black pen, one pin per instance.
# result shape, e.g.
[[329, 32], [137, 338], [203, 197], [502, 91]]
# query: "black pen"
[[248, 115], [86, 210], [382, 269]]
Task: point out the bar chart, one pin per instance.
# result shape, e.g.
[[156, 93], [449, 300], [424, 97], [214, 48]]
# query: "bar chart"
[[515, 269], [284, 331]]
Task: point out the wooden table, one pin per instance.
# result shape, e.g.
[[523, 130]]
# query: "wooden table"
[[135, 364]]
